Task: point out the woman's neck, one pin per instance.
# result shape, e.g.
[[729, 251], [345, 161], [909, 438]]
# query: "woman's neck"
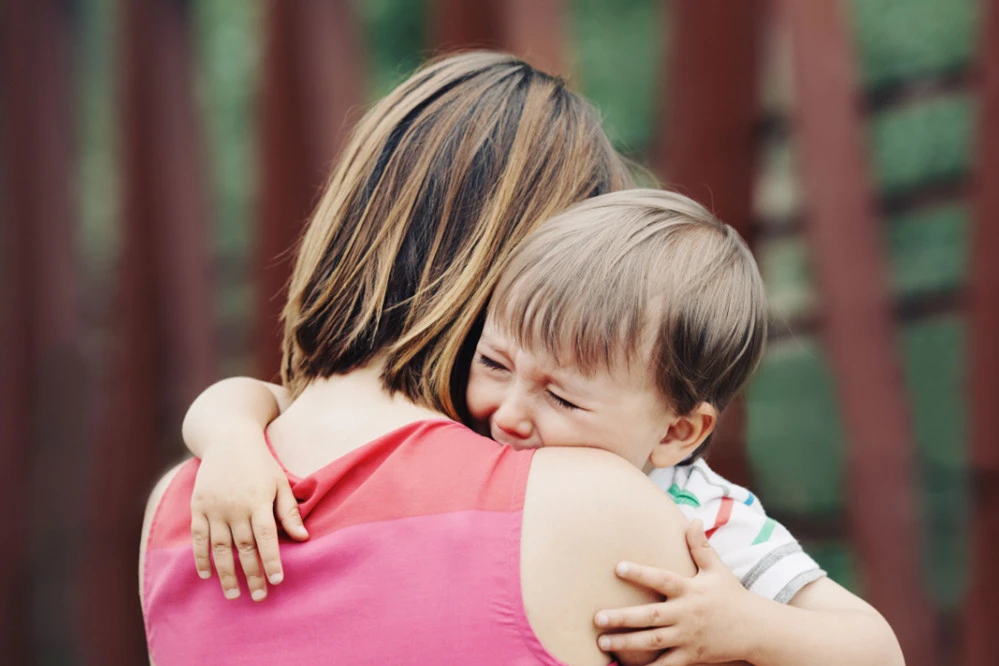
[[334, 416]]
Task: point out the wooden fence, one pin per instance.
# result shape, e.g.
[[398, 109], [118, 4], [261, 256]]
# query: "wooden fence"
[[81, 449]]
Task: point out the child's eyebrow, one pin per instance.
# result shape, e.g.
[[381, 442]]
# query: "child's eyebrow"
[[493, 345], [570, 380]]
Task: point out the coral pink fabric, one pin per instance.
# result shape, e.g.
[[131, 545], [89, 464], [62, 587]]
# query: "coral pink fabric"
[[414, 558]]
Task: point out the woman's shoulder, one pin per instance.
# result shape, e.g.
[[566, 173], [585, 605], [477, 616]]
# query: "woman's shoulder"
[[585, 510], [593, 490]]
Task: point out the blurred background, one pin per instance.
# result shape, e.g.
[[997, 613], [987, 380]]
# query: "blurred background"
[[160, 156]]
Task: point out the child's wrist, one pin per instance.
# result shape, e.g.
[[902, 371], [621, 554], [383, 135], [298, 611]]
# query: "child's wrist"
[[233, 436]]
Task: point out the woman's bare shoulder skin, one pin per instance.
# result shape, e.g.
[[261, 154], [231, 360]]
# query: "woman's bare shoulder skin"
[[585, 511]]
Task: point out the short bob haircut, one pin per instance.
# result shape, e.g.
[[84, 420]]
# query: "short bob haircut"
[[644, 276], [438, 183]]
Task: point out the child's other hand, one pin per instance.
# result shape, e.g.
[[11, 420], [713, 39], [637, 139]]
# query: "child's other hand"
[[699, 623], [238, 490]]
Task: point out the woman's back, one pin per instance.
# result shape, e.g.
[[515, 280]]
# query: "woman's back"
[[415, 552]]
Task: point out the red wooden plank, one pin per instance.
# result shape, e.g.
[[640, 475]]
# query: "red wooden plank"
[[41, 412], [533, 30], [860, 334], [982, 604], [706, 146], [163, 352], [460, 24], [312, 93]]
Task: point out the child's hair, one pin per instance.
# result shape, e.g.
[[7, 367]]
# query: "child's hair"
[[438, 182], [641, 276]]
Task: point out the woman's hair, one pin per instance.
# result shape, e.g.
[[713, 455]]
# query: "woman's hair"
[[439, 181], [641, 276]]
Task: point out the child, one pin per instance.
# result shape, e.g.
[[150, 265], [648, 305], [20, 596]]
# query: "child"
[[626, 323]]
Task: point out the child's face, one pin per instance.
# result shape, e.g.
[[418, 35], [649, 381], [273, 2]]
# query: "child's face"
[[526, 399]]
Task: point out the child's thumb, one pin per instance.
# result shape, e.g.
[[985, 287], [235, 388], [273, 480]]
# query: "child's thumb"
[[703, 554], [286, 507]]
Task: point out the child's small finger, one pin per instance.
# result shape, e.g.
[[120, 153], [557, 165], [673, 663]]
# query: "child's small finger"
[[650, 640], [249, 560], [225, 565], [200, 536], [664, 582], [286, 508], [265, 532], [636, 617]]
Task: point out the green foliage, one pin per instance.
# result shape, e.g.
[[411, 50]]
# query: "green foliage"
[[787, 273], [619, 48], [395, 32], [901, 40], [928, 250], [935, 360], [796, 438], [921, 144]]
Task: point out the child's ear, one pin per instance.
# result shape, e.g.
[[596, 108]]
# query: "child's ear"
[[684, 435]]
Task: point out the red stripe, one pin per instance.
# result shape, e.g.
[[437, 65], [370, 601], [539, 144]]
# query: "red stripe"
[[724, 513]]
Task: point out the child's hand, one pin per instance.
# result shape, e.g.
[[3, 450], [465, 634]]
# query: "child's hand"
[[699, 623], [238, 490]]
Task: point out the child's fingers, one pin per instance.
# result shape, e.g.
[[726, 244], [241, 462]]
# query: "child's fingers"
[[200, 540], [265, 533], [676, 657], [660, 638], [286, 508], [222, 554], [663, 582], [704, 556], [636, 617], [246, 546]]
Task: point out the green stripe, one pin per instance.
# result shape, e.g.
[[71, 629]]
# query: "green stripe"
[[768, 529], [681, 496]]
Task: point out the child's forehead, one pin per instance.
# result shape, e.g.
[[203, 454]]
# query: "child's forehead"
[[617, 366]]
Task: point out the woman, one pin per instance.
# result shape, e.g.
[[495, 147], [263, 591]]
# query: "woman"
[[430, 542]]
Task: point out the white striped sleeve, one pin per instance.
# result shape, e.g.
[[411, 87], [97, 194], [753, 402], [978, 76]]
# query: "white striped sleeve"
[[759, 550]]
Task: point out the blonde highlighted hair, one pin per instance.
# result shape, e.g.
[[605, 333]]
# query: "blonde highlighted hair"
[[642, 276], [438, 183]]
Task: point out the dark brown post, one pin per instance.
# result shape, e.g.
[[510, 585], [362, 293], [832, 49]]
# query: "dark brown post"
[[41, 410], [860, 334], [460, 24], [535, 31], [163, 349], [982, 606], [530, 29], [312, 94], [706, 147]]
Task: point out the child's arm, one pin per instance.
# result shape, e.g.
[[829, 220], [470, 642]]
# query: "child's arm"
[[239, 485], [712, 618]]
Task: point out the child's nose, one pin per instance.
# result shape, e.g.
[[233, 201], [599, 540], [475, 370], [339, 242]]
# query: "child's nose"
[[513, 417]]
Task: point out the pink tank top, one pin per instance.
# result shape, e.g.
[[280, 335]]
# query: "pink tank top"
[[414, 558]]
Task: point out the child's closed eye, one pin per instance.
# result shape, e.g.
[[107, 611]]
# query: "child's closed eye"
[[561, 402], [492, 364]]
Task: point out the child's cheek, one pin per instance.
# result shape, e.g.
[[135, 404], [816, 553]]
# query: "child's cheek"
[[477, 405]]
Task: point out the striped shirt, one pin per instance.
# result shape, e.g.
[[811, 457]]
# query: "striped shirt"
[[759, 550]]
